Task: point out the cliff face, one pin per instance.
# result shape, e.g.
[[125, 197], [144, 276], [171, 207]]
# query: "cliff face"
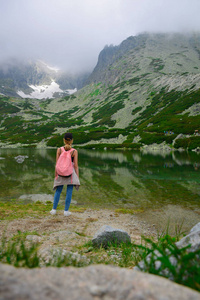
[[152, 53], [111, 54]]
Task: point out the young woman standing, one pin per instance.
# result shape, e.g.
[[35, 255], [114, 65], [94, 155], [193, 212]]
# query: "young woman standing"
[[70, 181]]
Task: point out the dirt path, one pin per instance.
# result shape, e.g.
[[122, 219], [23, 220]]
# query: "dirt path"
[[76, 229]]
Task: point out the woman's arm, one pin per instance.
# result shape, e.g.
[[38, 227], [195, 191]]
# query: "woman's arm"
[[76, 162], [57, 157]]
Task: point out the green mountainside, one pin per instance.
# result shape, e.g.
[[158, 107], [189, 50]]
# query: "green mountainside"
[[144, 91]]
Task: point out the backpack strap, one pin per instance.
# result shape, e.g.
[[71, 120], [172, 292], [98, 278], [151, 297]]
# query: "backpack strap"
[[72, 151], [62, 149]]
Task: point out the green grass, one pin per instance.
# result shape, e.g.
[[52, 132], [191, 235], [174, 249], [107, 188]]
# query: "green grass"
[[128, 211], [186, 269], [18, 254], [14, 210]]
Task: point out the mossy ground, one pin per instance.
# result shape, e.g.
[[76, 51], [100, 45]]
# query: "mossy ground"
[[13, 209]]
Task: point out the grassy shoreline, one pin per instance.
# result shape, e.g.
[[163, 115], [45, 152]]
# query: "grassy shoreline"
[[31, 237]]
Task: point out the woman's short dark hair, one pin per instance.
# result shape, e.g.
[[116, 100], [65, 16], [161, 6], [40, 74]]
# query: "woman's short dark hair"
[[68, 135]]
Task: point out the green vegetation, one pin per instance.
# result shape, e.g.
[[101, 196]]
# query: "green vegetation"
[[128, 211], [95, 93], [103, 146], [18, 254], [15, 210], [169, 118], [104, 113], [190, 143], [150, 138], [156, 255], [165, 113], [81, 137], [157, 64], [126, 81], [180, 265], [27, 105], [6, 107], [137, 109]]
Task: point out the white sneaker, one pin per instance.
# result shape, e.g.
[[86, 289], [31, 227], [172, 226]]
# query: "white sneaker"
[[67, 213], [53, 212]]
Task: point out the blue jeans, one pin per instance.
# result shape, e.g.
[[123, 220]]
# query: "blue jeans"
[[67, 199]]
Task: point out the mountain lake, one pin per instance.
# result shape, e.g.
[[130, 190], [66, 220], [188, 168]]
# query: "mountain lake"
[[160, 188]]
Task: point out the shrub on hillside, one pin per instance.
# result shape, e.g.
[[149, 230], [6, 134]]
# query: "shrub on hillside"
[[81, 137], [188, 143], [158, 138], [6, 107]]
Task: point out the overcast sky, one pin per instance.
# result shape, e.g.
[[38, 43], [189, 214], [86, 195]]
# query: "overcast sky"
[[70, 34]]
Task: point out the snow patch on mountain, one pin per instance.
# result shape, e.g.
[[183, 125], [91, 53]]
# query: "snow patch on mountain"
[[70, 92], [44, 91]]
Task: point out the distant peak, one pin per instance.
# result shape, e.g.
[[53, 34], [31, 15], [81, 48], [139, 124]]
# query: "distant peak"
[[55, 69]]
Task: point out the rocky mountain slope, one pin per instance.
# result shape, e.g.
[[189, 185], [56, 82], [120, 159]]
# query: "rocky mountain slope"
[[36, 79], [144, 91]]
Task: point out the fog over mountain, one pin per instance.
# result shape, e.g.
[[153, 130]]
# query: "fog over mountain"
[[70, 34], [145, 91]]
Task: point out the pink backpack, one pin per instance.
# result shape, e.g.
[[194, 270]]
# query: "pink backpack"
[[64, 166]]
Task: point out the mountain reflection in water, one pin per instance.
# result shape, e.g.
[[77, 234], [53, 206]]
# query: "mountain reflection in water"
[[141, 181]]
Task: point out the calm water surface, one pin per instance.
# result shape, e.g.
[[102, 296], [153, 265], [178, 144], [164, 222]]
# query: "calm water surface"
[[158, 187]]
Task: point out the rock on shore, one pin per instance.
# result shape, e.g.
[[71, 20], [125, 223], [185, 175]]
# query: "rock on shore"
[[107, 234], [93, 282]]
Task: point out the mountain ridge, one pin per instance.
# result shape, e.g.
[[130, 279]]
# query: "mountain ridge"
[[110, 54], [139, 92], [25, 77]]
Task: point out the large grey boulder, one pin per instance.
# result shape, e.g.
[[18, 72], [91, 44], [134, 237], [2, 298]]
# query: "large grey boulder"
[[193, 239], [107, 235], [195, 228], [52, 255], [20, 158], [37, 197], [90, 283]]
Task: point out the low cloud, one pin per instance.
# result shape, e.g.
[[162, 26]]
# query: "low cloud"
[[70, 34]]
